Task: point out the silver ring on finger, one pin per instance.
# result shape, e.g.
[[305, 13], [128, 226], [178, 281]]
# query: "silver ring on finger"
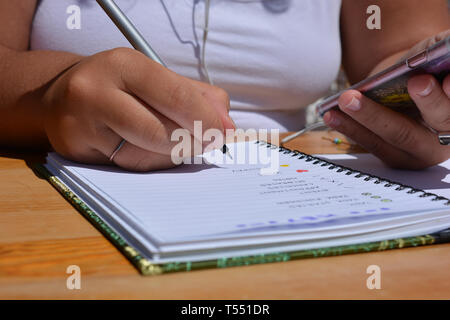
[[444, 138], [121, 144]]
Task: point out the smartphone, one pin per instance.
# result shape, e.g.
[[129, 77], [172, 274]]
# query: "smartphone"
[[389, 87]]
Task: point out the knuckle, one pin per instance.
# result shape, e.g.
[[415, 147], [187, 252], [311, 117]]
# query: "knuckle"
[[403, 137], [118, 59], [117, 56], [180, 96], [78, 86]]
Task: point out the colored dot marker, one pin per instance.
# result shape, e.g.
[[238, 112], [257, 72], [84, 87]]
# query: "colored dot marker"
[[300, 171], [284, 165]]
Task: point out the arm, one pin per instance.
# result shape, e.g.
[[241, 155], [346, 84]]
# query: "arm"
[[24, 76], [398, 140]]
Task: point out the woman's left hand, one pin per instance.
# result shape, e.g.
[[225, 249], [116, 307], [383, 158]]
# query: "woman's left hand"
[[398, 140]]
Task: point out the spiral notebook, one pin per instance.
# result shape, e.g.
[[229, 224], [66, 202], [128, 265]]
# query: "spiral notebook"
[[244, 210]]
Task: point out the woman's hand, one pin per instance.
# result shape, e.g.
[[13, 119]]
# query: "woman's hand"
[[122, 94], [400, 141]]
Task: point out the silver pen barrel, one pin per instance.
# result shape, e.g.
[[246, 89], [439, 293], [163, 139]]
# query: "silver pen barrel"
[[128, 29]]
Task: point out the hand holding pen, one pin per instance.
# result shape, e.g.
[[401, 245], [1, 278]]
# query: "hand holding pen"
[[119, 95], [137, 41]]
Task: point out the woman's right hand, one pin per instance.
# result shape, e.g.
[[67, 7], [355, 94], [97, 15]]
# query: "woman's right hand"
[[122, 94]]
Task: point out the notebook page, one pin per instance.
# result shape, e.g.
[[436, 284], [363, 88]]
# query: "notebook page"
[[198, 200], [435, 179]]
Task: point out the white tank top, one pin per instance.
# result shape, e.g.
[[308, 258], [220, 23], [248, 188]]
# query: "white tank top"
[[273, 57]]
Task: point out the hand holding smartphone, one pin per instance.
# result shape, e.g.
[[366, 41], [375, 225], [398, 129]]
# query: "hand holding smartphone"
[[389, 87], [400, 113]]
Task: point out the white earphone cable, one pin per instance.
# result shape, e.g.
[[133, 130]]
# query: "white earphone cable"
[[205, 39]]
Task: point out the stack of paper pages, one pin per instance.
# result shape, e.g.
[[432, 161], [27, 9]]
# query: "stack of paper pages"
[[238, 206]]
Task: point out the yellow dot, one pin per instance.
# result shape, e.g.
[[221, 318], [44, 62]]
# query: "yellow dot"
[[284, 165]]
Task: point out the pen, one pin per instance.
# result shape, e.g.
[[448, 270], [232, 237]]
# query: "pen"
[[306, 129], [134, 37]]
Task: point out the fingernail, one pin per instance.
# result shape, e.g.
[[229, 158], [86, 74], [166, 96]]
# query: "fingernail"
[[331, 120], [228, 123], [232, 122], [353, 105], [425, 87]]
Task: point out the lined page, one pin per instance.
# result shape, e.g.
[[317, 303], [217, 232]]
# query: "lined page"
[[193, 201]]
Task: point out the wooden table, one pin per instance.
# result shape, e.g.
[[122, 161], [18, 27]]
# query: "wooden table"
[[41, 235]]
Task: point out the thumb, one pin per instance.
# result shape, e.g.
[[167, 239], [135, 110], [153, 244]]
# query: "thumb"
[[432, 101]]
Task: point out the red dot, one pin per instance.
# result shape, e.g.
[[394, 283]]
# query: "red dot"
[[300, 171]]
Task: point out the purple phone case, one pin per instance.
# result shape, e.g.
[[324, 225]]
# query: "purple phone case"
[[389, 87]]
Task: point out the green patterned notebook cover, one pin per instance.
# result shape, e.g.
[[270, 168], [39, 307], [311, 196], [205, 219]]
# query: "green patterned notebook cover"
[[146, 267]]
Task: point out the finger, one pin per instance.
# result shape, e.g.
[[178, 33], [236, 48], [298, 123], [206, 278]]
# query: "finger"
[[140, 126], [393, 127], [131, 157], [172, 95], [86, 154], [446, 85], [432, 101], [371, 142], [217, 96]]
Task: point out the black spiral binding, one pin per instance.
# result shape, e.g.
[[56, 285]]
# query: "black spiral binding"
[[349, 171]]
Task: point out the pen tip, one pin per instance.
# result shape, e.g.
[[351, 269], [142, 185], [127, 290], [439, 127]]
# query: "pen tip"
[[226, 151]]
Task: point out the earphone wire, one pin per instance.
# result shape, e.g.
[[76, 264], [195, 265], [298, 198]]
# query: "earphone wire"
[[205, 39]]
